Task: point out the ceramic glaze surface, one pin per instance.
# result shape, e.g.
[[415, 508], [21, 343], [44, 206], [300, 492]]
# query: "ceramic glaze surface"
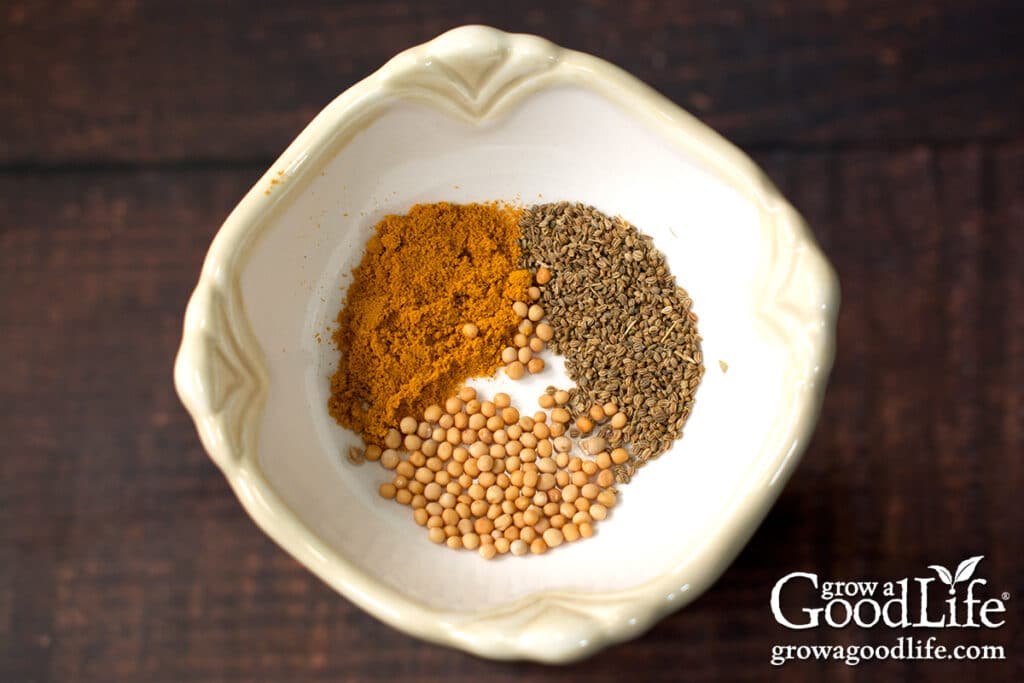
[[478, 115]]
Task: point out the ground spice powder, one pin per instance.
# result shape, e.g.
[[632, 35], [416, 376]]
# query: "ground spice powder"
[[423, 278]]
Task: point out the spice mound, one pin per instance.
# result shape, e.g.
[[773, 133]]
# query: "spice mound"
[[450, 292], [626, 329], [429, 306]]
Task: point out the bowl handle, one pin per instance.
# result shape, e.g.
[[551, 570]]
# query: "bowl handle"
[[219, 372]]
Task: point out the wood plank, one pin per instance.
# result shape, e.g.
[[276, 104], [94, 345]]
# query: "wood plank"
[[148, 81], [124, 556]]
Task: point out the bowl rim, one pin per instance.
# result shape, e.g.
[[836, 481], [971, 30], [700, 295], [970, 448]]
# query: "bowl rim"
[[476, 73]]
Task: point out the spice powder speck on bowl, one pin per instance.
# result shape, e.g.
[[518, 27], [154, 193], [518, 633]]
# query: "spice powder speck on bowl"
[[473, 116]]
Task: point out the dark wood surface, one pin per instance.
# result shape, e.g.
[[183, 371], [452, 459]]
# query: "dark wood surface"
[[129, 129]]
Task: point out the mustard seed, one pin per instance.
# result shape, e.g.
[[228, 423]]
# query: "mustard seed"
[[524, 355], [390, 459], [553, 538], [560, 414]]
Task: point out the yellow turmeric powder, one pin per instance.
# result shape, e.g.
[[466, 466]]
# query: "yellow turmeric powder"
[[424, 277]]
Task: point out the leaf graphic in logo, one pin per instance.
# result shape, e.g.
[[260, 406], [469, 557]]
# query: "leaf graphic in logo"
[[944, 575], [966, 569]]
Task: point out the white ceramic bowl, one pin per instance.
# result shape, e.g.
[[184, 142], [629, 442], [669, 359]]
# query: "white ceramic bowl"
[[478, 114]]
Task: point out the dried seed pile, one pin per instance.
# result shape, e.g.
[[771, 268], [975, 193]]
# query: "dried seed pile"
[[624, 326], [481, 476], [478, 474]]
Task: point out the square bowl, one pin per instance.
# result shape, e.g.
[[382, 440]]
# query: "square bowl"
[[475, 115]]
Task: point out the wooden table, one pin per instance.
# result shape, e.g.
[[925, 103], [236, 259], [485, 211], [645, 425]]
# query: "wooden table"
[[129, 129]]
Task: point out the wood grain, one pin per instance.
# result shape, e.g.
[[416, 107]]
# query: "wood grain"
[[125, 557], [142, 81], [130, 128]]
